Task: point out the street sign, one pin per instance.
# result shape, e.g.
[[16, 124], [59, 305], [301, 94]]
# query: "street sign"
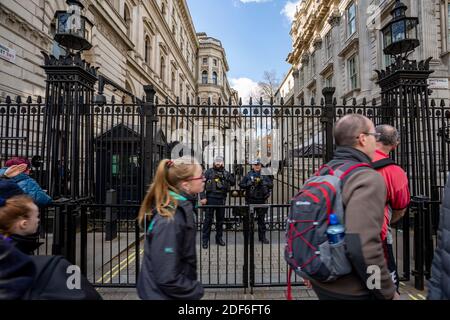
[[7, 54], [438, 83]]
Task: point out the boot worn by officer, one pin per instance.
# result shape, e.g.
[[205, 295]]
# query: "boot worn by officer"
[[264, 240], [205, 244], [220, 242]]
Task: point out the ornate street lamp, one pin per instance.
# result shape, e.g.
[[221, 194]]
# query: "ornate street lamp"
[[400, 34], [73, 30]]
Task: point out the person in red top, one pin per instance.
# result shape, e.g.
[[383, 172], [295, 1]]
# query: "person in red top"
[[398, 196]]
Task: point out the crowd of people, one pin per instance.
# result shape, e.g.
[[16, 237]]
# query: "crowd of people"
[[374, 197]]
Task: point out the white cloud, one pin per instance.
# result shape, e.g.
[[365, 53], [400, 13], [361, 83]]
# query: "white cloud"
[[245, 87], [290, 8], [256, 1]]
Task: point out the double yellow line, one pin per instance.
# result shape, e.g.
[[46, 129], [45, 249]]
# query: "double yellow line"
[[108, 276], [418, 296]]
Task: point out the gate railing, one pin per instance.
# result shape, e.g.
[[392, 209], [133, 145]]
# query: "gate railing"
[[114, 152]]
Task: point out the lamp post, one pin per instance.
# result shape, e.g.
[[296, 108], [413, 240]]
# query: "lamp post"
[[400, 34], [404, 96], [73, 30]]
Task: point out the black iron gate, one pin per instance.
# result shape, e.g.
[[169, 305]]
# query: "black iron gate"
[[96, 159]]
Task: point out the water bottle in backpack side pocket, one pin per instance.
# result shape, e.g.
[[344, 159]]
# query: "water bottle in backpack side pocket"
[[335, 230]]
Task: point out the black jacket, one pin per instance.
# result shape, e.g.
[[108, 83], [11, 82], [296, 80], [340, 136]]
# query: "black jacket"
[[257, 187], [439, 284], [17, 271], [169, 266], [26, 244], [213, 190]]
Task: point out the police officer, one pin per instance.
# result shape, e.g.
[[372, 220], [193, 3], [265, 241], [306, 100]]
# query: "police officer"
[[257, 190], [218, 183]]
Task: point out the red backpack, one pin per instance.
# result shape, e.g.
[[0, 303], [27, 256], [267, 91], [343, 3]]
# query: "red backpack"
[[307, 249]]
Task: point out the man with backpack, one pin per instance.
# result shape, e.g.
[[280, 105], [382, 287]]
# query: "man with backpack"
[[353, 193], [398, 196]]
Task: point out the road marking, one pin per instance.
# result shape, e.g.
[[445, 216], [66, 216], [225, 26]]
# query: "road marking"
[[126, 262], [412, 297], [115, 267], [117, 271], [421, 296]]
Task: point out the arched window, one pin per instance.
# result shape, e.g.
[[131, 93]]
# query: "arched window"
[[128, 87], [214, 78], [127, 18], [163, 68], [205, 77], [148, 49]]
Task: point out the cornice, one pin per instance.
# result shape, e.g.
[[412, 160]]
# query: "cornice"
[[349, 46]]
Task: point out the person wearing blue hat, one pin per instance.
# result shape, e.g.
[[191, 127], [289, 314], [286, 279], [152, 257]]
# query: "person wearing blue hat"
[[218, 184], [17, 170], [257, 190]]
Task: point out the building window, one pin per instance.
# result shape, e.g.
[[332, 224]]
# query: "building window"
[[205, 77], [163, 9], [173, 82], [214, 77], [301, 78], [448, 23], [387, 60], [163, 68], [351, 19], [329, 81], [181, 92], [352, 68], [215, 62], [328, 45], [115, 169], [313, 64], [205, 60], [148, 49], [127, 18]]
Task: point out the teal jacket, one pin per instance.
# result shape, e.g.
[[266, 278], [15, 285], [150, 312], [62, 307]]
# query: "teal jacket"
[[31, 188]]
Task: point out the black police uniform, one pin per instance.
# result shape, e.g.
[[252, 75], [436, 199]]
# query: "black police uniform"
[[257, 190], [217, 186]]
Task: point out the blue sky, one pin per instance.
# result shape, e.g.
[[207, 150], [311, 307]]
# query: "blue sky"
[[255, 34]]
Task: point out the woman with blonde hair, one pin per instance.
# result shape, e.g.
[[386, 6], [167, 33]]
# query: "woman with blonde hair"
[[169, 266]]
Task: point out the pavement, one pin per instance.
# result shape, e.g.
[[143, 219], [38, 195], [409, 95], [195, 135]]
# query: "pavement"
[[408, 292]]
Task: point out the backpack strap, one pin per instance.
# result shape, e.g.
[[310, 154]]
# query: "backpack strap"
[[325, 166], [342, 174], [289, 285], [382, 163]]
